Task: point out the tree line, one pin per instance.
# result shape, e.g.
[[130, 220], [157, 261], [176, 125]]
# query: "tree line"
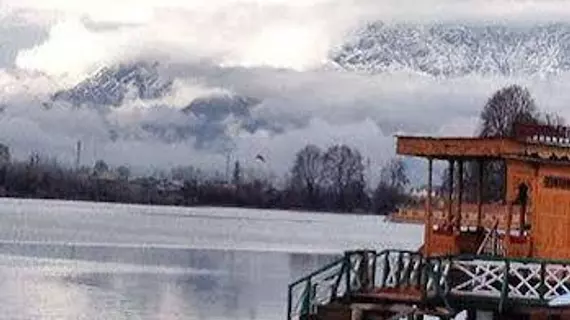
[[319, 180]]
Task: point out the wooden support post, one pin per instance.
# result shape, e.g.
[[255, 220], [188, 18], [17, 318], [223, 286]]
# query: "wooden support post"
[[450, 199], [459, 197], [480, 165], [429, 210]]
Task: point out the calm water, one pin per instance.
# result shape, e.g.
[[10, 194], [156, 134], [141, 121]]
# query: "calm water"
[[158, 284], [61, 260]]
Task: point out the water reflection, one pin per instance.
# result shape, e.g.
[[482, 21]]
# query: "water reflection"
[[89, 282]]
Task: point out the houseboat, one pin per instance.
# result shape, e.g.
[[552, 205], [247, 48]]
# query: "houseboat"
[[507, 259]]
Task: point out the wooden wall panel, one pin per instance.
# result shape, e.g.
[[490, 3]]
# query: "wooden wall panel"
[[552, 218]]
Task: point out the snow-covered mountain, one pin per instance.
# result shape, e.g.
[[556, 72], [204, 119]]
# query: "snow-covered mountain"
[[111, 86], [208, 120], [456, 50], [205, 119]]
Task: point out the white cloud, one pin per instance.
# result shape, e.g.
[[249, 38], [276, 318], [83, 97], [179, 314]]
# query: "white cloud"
[[248, 33], [71, 51], [274, 33]]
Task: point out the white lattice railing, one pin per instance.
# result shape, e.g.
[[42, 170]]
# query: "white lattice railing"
[[508, 279], [477, 278], [524, 280], [556, 280]]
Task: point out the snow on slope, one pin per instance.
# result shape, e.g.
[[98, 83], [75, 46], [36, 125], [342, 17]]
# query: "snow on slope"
[[112, 85], [450, 50]]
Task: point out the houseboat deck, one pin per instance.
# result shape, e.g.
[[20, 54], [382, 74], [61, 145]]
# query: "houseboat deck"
[[396, 281]]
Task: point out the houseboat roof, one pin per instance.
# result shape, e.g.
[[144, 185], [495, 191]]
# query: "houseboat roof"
[[529, 143]]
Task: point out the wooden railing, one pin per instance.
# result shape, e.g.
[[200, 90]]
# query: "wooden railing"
[[447, 281], [490, 213]]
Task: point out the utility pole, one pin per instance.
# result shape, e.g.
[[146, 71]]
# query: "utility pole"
[[78, 155]]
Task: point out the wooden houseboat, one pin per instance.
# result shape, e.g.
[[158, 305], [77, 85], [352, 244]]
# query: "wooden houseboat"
[[511, 267]]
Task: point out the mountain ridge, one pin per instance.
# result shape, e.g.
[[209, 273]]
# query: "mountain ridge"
[[455, 50]]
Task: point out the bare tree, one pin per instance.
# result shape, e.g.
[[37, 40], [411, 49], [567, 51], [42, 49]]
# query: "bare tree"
[[506, 107], [100, 168], [343, 172], [306, 174], [553, 119], [391, 190], [394, 174]]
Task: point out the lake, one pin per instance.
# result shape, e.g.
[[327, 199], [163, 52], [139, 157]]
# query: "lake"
[[82, 260]]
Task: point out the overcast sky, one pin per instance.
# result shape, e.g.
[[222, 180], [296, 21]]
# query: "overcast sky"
[[276, 50]]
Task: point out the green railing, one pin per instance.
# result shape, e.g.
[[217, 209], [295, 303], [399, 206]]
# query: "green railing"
[[333, 281], [397, 268], [357, 271], [448, 281]]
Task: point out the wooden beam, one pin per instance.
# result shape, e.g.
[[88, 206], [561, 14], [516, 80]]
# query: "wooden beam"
[[468, 148]]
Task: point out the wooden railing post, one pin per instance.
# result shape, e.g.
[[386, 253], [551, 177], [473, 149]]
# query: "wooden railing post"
[[386, 268], [399, 269], [542, 286], [505, 287], [306, 308], [348, 269]]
